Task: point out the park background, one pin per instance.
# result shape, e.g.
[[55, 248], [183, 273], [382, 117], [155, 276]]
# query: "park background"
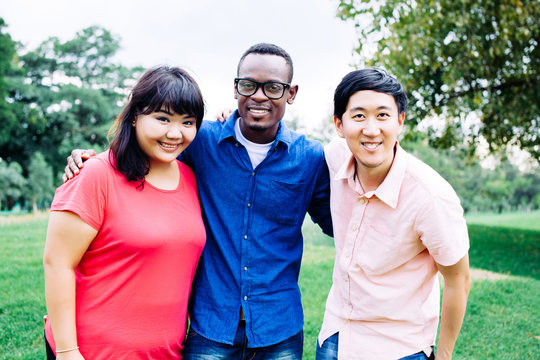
[[471, 70]]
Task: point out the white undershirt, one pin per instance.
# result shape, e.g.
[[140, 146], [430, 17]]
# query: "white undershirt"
[[256, 152]]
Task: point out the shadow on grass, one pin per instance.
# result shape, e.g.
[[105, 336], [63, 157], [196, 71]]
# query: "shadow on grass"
[[505, 250]]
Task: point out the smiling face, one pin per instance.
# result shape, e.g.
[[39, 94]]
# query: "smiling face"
[[260, 115], [370, 125], [162, 135]]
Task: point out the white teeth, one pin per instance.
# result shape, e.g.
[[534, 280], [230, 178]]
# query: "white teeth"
[[258, 111], [371, 145], [169, 146]]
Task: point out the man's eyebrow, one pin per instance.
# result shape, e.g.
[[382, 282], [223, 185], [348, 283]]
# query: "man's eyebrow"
[[361, 108]]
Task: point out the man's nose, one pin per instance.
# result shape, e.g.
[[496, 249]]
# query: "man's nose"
[[259, 95], [371, 128]]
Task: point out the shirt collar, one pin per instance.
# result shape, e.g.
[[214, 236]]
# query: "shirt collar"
[[283, 136], [388, 191]]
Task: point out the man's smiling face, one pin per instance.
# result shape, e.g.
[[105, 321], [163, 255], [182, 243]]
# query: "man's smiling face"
[[260, 115], [371, 125]]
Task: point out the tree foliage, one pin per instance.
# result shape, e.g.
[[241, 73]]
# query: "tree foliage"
[[40, 182], [503, 188], [12, 184], [457, 59], [65, 95]]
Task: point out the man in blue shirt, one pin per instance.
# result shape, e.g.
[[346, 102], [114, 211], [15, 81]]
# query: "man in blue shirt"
[[256, 179]]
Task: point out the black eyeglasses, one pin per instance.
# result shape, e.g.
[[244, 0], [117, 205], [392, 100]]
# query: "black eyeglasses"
[[272, 89]]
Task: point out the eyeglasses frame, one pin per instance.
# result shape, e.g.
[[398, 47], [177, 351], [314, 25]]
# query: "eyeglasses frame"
[[261, 85]]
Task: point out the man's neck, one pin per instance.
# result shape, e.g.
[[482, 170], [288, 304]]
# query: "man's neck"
[[371, 178], [259, 136]]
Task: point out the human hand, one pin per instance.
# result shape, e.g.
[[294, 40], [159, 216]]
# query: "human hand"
[[223, 115], [75, 162]]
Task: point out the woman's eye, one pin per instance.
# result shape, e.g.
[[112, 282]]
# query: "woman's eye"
[[162, 119]]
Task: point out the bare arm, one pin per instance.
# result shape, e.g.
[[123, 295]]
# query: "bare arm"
[[68, 238], [75, 162], [457, 284]]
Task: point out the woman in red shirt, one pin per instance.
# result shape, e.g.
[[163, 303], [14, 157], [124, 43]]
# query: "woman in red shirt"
[[125, 236]]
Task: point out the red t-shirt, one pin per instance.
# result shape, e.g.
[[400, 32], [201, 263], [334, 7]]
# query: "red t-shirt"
[[133, 282]]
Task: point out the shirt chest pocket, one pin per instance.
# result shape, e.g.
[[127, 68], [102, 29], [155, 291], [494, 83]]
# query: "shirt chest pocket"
[[285, 202], [380, 253]]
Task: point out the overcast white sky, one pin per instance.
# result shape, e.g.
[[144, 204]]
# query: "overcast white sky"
[[207, 38]]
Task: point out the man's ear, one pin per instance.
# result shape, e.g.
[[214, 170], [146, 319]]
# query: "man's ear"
[[291, 94], [339, 126], [401, 121]]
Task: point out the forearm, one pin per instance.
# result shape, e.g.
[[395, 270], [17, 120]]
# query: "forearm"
[[60, 298], [454, 304]]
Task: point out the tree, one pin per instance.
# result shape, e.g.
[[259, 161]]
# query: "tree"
[[459, 59], [7, 53], [12, 184], [40, 182], [65, 95]]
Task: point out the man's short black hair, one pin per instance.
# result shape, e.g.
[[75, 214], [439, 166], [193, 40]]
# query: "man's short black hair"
[[268, 49], [368, 79]]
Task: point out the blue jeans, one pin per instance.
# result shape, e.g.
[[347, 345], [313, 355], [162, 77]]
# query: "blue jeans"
[[200, 348], [329, 351]]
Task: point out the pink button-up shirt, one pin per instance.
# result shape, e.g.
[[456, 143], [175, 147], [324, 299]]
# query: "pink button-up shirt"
[[384, 301]]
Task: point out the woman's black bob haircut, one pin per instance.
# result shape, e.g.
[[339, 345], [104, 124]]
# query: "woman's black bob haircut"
[[161, 88]]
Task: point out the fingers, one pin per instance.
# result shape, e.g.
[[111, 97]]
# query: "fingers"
[[87, 154], [75, 162], [75, 159], [223, 115], [67, 174]]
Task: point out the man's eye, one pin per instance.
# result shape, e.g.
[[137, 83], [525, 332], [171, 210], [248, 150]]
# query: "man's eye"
[[247, 85], [274, 87]]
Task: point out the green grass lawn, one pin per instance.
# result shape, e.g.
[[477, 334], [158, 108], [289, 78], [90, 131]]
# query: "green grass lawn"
[[502, 317], [22, 300], [514, 220]]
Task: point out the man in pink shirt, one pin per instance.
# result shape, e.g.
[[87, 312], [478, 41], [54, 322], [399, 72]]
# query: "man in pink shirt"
[[397, 223]]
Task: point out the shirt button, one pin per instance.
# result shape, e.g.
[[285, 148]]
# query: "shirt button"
[[245, 268], [245, 297], [354, 227], [236, 144], [253, 173], [249, 204], [362, 201], [245, 236]]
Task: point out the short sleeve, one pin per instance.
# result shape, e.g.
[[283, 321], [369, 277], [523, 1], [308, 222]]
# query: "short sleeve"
[[85, 194], [442, 228]]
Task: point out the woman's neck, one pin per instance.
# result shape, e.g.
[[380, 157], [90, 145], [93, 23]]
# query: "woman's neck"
[[164, 176]]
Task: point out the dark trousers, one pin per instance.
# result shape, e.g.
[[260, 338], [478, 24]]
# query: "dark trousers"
[[50, 354]]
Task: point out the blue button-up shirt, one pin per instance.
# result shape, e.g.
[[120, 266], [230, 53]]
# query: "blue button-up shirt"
[[253, 220]]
